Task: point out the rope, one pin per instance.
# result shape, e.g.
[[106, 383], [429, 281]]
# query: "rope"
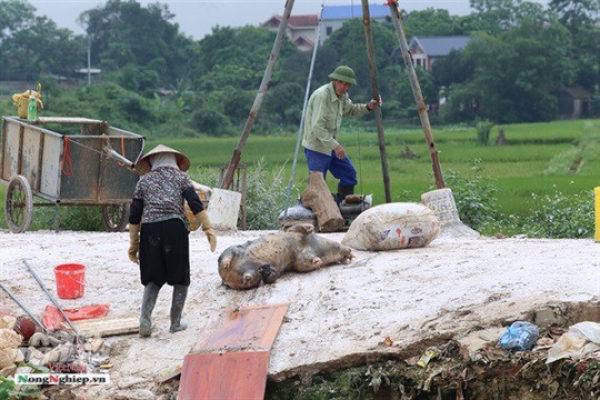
[[122, 150], [301, 127], [67, 167]]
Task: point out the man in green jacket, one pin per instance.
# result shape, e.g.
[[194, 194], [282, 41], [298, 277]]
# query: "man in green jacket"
[[326, 107]]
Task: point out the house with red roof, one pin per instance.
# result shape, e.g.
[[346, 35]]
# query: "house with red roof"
[[301, 29]]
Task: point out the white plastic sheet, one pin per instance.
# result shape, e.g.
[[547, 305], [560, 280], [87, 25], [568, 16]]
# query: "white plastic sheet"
[[581, 340]]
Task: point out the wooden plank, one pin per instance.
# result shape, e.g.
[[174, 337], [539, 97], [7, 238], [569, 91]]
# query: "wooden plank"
[[251, 328], [68, 120], [231, 358], [233, 375], [107, 326]]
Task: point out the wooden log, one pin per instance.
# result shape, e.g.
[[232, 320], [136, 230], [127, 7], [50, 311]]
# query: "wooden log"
[[318, 198]]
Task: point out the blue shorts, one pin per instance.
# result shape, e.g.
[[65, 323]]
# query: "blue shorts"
[[340, 169]]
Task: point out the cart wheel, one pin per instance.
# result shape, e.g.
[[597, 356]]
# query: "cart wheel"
[[19, 204], [115, 217]]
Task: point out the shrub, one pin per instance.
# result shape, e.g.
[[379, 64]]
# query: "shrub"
[[474, 196], [266, 194], [559, 216], [76, 218], [483, 129]]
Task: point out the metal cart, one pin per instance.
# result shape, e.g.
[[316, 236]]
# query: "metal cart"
[[70, 168]]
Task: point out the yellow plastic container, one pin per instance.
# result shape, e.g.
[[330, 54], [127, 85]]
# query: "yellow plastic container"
[[23, 107], [597, 204]]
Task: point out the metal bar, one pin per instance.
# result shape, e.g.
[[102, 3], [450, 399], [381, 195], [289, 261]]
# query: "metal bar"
[[375, 90], [110, 153], [12, 296], [237, 153], [38, 181], [3, 153], [417, 94], [52, 299], [20, 153]]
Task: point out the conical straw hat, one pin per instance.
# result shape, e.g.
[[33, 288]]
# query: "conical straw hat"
[[182, 161]]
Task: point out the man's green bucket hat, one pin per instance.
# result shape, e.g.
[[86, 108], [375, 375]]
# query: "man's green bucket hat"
[[344, 73]]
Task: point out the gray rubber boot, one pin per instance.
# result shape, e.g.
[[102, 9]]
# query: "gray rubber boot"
[[179, 296], [148, 301]]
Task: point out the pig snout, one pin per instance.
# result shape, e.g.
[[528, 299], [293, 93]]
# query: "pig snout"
[[347, 255], [248, 278]]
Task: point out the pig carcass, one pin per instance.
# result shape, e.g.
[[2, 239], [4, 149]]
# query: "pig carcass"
[[265, 259]]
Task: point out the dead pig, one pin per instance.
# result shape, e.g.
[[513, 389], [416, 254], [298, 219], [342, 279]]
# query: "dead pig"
[[265, 259]]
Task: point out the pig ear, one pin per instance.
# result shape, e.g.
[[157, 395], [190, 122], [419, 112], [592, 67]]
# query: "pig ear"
[[225, 263]]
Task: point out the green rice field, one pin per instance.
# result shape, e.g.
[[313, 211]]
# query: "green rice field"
[[540, 158]]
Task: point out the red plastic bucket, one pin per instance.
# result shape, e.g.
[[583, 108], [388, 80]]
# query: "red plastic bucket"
[[70, 280]]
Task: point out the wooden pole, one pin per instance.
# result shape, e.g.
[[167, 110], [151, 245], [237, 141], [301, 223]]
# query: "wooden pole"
[[237, 153], [416, 89], [375, 90]]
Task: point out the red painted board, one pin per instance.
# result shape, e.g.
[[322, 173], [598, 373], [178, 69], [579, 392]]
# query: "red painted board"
[[243, 329], [224, 376], [231, 358]]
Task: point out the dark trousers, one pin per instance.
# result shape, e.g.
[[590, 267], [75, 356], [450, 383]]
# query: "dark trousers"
[[165, 253], [340, 169]]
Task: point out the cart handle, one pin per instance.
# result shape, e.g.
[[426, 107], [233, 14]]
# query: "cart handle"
[[114, 155]]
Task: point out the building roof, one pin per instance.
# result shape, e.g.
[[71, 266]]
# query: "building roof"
[[302, 41], [376, 11], [435, 46], [578, 92], [307, 20], [295, 21]]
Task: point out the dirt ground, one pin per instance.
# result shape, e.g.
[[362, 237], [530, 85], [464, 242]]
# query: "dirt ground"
[[341, 316]]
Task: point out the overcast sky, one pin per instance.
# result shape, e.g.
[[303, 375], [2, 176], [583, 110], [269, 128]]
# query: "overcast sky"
[[196, 18]]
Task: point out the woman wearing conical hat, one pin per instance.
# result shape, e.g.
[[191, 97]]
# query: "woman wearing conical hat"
[[159, 231]]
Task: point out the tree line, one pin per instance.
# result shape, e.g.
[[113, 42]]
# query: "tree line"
[[159, 82]]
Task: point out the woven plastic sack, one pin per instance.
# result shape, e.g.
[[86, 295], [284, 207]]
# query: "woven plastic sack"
[[393, 226], [9, 339], [7, 322], [8, 357]]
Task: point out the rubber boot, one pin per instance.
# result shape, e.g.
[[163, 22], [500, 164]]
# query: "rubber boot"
[[148, 301], [179, 296], [343, 191]]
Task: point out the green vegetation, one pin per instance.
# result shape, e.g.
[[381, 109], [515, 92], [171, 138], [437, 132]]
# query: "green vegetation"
[[162, 84], [540, 183], [196, 96]]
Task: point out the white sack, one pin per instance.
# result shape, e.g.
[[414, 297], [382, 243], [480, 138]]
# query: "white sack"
[[393, 226]]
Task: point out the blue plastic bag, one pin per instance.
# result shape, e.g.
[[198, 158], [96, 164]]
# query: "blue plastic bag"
[[520, 336]]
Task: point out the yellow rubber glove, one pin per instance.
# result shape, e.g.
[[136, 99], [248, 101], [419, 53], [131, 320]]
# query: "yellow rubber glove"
[[207, 228], [134, 243]]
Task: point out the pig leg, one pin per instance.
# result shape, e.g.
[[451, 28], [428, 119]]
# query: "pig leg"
[[302, 228], [307, 261]]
